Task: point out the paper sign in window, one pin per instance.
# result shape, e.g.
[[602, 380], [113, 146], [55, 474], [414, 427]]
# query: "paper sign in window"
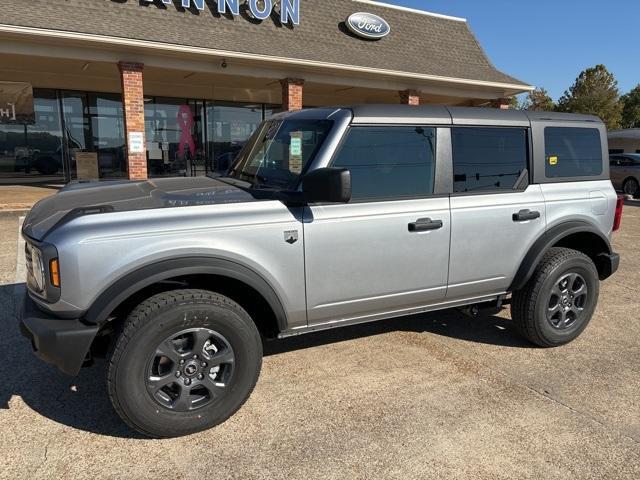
[[87, 166], [295, 152]]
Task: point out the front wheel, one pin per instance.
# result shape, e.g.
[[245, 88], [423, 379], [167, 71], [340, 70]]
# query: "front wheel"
[[557, 303], [186, 360]]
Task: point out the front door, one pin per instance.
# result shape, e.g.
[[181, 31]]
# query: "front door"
[[387, 251]]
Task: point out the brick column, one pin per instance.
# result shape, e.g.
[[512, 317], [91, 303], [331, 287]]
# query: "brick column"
[[501, 103], [133, 101], [409, 97], [292, 93]]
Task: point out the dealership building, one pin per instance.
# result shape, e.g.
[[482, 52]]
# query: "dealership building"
[[148, 88]]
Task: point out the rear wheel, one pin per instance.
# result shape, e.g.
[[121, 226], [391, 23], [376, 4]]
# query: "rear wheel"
[[631, 187], [185, 361], [557, 303]]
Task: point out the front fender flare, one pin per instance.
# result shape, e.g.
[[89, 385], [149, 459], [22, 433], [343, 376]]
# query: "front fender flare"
[[156, 272], [545, 242]]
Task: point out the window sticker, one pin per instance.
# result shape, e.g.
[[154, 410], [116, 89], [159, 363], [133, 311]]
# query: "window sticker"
[[295, 153], [295, 150], [553, 160]]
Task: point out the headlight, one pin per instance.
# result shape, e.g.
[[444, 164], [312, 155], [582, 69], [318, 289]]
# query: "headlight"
[[37, 269]]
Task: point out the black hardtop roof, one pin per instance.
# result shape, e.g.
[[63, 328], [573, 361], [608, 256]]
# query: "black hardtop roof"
[[635, 156], [464, 114], [440, 114]]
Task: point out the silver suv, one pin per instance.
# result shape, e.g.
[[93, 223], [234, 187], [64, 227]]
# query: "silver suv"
[[327, 217]]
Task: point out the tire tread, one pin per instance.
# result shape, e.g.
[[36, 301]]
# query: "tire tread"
[[524, 301], [139, 317]]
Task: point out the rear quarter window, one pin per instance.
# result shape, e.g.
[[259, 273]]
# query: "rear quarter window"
[[572, 152]]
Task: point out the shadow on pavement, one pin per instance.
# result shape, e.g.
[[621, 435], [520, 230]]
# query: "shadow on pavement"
[[488, 329], [82, 402]]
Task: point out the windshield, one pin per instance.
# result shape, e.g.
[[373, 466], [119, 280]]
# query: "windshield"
[[279, 151]]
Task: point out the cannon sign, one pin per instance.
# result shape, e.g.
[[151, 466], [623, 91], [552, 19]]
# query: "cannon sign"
[[16, 103]]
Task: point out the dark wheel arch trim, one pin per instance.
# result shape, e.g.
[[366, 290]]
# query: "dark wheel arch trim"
[[552, 237], [133, 282]]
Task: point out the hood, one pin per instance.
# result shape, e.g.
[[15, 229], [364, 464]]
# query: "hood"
[[80, 199]]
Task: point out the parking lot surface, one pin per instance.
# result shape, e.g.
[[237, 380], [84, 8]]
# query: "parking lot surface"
[[430, 396]]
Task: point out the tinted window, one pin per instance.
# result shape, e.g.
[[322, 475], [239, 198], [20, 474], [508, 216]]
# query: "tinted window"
[[279, 151], [486, 159], [572, 152], [388, 162]]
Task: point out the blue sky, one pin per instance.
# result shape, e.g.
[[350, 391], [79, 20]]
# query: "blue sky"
[[548, 43]]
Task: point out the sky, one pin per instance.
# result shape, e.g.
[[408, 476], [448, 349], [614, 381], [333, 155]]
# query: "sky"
[[547, 43]]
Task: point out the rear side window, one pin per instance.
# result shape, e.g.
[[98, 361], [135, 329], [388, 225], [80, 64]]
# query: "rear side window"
[[488, 159], [388, 163], [572, 152]]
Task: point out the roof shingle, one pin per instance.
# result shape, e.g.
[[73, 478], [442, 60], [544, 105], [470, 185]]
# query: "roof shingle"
[[417, 44]]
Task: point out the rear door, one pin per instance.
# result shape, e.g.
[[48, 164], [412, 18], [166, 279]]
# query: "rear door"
[[496, 216], [387, 251]]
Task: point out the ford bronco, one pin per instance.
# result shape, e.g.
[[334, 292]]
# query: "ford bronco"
[[327, 217]]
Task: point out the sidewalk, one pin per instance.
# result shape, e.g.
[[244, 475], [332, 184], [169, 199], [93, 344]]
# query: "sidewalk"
[[22, 197]]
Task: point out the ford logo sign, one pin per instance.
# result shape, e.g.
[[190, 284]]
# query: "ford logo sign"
[[368, 25]]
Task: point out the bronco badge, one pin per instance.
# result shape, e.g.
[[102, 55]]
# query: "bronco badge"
[[291, 236]]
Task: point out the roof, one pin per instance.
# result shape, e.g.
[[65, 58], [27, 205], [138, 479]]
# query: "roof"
[[459, 115], [441, 115], [419, 43], [633, 133], [634, 156]]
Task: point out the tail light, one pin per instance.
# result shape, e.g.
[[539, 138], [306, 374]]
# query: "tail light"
[[617, 219]]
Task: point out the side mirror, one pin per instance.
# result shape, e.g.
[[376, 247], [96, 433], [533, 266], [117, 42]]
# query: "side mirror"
[[327, 185]]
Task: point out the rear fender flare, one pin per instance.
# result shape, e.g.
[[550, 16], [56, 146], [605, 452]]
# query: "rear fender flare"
[[548, 240]]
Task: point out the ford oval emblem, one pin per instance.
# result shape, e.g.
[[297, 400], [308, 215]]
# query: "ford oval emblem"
[[368, 25]]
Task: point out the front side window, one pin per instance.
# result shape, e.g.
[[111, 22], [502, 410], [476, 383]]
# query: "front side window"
[[388, 163], [279, 151], [488, 159], [572, 152]]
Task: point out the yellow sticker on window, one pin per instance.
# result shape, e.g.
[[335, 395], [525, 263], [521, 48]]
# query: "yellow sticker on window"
[[553, 160]]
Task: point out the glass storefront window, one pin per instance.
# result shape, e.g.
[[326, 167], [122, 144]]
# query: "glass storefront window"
[[229, 126], [174, 137], [81, 136], [34, 151], [94, 127]]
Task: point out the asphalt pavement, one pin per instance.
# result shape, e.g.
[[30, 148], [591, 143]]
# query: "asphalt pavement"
[[439, 395]]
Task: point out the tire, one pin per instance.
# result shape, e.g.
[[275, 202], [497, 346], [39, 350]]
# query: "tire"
[[631, 187], [153, 359], [538, 309]]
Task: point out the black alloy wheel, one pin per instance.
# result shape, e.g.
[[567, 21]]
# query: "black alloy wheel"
[[567, 301], [190, 369]]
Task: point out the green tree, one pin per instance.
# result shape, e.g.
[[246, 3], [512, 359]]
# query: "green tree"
[[631, 109], [594, 92], [514, 104], [539, 99]]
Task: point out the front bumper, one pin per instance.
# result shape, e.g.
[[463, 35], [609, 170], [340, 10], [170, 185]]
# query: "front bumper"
[[61, 342]]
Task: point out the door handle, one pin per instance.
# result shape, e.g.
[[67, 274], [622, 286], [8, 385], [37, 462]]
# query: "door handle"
[[425, 224], [524, 215]]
